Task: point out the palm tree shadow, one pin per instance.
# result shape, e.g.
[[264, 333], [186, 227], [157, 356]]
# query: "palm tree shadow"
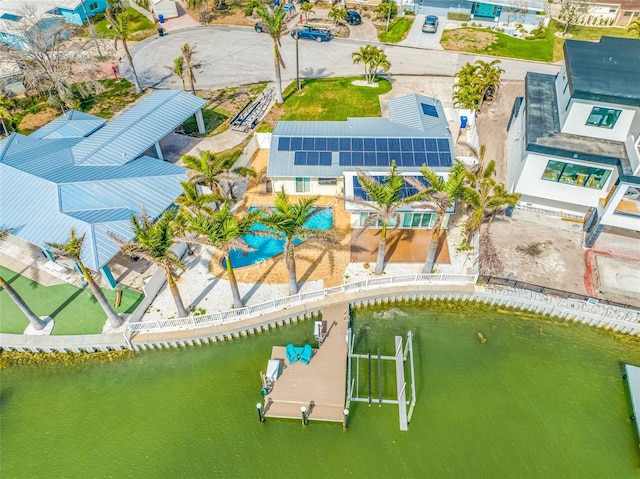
[[312, 267], [213, 281], [257, 283], [398, 237], [67, 302]]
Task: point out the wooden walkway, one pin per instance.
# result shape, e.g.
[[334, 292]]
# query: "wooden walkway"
[[633, 379], [401, 385], [319, 386]]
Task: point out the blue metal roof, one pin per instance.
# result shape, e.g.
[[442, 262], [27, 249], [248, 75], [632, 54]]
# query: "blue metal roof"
[[412, 136], [136, 130], [72, 124], [44, 192]]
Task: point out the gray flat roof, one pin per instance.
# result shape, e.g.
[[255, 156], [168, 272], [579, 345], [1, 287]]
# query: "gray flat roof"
[[543, 128], [607, 71]]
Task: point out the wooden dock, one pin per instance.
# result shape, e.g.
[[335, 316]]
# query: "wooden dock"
[[319, 386], [401, 385]]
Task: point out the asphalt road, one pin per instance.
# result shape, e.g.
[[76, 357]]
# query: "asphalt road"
[[232, 56]]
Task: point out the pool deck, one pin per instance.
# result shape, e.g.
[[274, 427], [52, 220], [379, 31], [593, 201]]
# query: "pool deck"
[[319, 386], [633, 378]]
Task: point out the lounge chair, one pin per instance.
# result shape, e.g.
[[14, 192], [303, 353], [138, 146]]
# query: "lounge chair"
[[292, 354], [307, 354]]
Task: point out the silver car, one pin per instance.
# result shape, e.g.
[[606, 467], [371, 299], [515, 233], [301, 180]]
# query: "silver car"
[[430, 24]]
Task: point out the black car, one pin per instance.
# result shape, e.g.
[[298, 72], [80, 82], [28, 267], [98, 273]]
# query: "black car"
[[353, 17]]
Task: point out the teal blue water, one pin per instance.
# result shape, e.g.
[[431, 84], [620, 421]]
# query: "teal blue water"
[[538, 400], [265, 247]]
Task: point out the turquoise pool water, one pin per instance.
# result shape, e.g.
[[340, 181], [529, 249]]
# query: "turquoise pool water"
[[265, 247], [539, 400]]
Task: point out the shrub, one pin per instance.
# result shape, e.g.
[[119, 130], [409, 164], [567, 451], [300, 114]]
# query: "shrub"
[[382, 10], [459, 16]]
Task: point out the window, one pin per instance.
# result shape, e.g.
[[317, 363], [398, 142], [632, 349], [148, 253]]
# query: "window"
[[603, 117], [93, 6], [303, 185], [377, 224], [418, 220], [327, 181], [579, 175]]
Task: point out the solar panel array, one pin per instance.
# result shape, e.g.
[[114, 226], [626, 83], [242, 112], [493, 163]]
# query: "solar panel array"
[[406, 191], [434, 152]]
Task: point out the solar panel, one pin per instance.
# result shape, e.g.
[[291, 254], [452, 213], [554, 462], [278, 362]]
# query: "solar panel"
[[382, 144], [313, 157], [283, 143], [308, 143], [432, 159], [406, 144], [345, 144], [325, 158], [382, 159], [406, 190], [420, 158], [296, 144], [443, 144], [431, 144], [445, 159], [429, 110], [300, 158], [394, 144], [357, 158], [321, 144], [370, 158], [345, 158], [357, 144], [333, 144], [418, 144], [369, 144]]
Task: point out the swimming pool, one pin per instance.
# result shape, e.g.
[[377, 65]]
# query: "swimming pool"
[[266, 247]]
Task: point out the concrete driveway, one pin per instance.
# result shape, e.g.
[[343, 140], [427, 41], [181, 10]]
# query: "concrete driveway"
[[428, 41]]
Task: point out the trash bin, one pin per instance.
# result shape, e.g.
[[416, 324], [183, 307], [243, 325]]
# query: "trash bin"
[[161, 18], [161, 31], [463, 122]]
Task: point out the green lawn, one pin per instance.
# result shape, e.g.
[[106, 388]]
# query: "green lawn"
[[137, 23], [333, 99], [397, 30], [74, 310], [474, 40]]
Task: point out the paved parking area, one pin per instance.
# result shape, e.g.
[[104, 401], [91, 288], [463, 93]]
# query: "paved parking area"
[[428, 41]]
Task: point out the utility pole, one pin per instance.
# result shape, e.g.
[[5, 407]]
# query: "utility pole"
[[297, 66], [389, 14]]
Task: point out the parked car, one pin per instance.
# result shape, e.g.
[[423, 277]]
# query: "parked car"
[[430, 24], [312, 33], [353, 17]]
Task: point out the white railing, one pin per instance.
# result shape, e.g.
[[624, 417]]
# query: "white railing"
[[234, 315]]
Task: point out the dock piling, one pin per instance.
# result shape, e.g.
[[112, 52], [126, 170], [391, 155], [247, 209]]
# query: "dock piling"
[[260, 415]]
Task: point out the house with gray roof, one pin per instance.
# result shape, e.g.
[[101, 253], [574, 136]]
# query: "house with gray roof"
[[83, 172], [322, 157], [573, 143]]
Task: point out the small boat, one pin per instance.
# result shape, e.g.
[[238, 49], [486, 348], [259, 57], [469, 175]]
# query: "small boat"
[[481, 338]]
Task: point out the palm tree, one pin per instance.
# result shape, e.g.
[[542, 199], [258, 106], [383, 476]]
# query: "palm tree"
[[216, 172], [153, 241], [187, 55], [488, 77], [440, 195], [5, 114], [274, 25], [72, 249], [287, 221], [337, 14], [634, 28], [385, 199], [224, 231], [178, 69], [34, 320], [485, 197], [120, 23], [190, 204], [467, 97], [372, 58], [307, 9]]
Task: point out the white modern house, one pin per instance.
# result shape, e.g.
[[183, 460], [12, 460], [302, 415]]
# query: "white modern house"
[[573, 145], [322, 157]]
